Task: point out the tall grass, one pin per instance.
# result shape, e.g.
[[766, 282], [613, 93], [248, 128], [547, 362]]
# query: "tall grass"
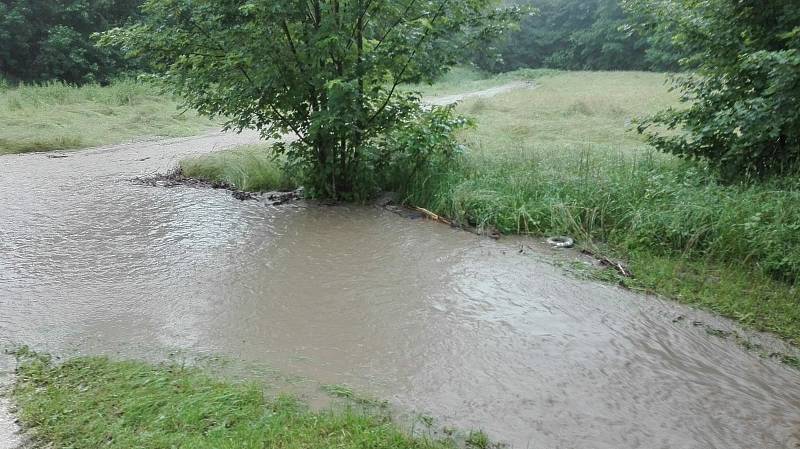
[[249, 167], [56, 116]]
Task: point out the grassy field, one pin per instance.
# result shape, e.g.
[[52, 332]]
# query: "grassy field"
[[94, 402], [59, 117], [563, 158]]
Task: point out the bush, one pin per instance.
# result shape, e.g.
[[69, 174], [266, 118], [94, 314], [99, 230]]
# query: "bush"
[[742, 101], [420, 147]]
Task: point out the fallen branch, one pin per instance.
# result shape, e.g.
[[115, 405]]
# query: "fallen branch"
[[432, 216]]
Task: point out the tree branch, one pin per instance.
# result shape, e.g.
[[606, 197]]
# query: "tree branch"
[[399, 77]]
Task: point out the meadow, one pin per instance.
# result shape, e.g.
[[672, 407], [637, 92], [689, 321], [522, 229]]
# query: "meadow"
[[57, 116]]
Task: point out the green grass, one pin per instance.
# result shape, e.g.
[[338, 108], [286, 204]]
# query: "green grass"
[[562, 159], [250, 167], [96, 402], [55, 116]]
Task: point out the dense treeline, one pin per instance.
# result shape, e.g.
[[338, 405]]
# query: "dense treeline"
[[578, 35], [44, 40]]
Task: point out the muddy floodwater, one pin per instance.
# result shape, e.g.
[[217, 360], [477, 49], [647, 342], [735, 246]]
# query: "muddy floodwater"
[[436, 320]]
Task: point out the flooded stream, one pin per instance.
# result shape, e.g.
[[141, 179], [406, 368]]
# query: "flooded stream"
[[436, 320]]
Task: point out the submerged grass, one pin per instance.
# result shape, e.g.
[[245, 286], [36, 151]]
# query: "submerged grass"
[[56, 116], [96, 402], [251, 167]]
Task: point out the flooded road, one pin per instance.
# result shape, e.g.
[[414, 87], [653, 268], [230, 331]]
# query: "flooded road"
[[436, 320]]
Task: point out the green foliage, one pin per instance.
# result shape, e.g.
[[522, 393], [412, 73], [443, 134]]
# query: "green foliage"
[[742, 112], [55, 116], [478, 440], [417, 149], [325, 71], [50, 40], [574, 35], [88, 403]]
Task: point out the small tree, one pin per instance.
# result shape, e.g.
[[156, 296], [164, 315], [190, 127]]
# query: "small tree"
[[326, 71], [742, 97]]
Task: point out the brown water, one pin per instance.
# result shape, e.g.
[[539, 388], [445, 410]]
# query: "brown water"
[[436, 320]]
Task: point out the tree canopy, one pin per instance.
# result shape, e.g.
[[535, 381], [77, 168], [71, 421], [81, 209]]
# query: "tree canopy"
[[326, 71]]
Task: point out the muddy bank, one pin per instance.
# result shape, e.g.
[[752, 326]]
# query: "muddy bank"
[[176, 178], [10, 432]]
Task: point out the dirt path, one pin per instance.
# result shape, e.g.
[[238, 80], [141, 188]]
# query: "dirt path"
[[485, 93], [9, 431]]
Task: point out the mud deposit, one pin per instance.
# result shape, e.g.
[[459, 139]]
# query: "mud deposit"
[[438, 321]]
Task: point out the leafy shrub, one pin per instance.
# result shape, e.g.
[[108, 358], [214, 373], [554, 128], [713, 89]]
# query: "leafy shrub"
[[742, 111], [421, 146]]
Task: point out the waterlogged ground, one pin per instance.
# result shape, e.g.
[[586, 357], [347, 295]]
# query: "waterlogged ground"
[[438, 321]]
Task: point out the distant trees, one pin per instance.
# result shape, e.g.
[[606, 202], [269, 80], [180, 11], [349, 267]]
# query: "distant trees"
[[742, 94], [50, 39], [575, 35]]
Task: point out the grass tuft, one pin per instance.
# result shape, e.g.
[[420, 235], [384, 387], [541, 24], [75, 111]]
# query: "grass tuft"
[[250, 167]]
